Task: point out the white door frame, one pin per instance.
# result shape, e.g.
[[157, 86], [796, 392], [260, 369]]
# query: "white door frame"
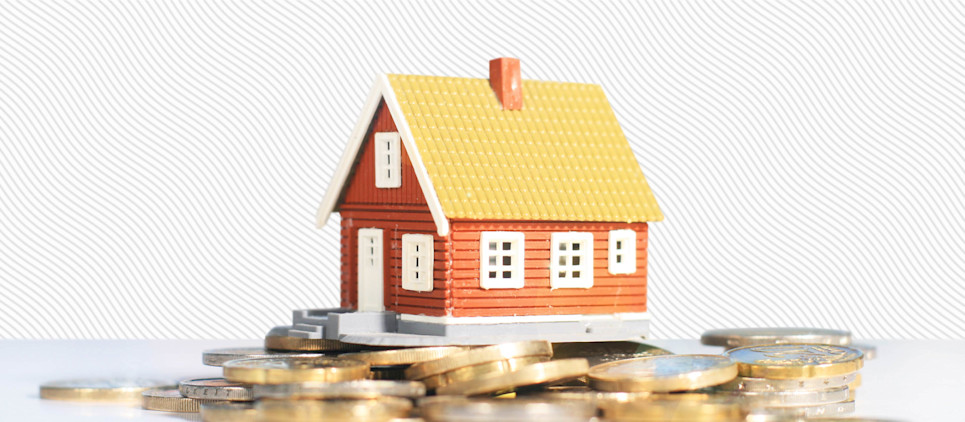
[[370, 270]]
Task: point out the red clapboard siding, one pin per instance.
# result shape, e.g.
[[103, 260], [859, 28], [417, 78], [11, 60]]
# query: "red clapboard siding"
[[544, 310], [609, 294], [432, 303], [361, 186], [397, 211]]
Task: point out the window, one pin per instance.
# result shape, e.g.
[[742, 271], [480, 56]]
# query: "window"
[[388, 160], [417, 257], [501, 264], [571, 260], [623, 252]]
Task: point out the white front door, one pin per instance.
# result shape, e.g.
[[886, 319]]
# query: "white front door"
[[370, 270]]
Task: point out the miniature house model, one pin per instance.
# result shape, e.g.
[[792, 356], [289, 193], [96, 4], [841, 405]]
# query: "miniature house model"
[[475, 208]]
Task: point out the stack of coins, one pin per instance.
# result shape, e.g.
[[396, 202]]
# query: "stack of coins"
[[675, 384], [807, 379], [498, 368], [391, 364], [294, 379]]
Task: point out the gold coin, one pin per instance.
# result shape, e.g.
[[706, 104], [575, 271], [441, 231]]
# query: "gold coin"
[[480, 355], [228, 412], [584, 393], [606, 351], [663, 373], [360, 389], [543, 373], [383, 409], [404, 356], [471, 372], [792, 361], [294, 369], [670, 408], [170, 400], [120, 390], [298, 344]]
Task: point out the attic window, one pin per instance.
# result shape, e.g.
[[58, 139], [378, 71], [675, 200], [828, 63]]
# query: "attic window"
[[417, 258], [623, 252], [502, 255], [571, 260], [388, 160]]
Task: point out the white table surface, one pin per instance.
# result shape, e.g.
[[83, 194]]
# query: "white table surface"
[[909, 380]]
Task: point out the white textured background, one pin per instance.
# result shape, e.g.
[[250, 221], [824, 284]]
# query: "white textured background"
[[161, 162]]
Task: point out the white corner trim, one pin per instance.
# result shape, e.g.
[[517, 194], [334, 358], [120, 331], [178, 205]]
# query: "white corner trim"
[[627, 316], [381, 89], [352, 148], [402, 125]]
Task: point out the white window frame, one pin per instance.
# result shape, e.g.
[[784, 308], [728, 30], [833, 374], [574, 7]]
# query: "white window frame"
[[418, 257], [388, 160], [493, 271], [622, 253], [566, 275]]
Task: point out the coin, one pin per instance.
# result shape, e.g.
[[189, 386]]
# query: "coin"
[[215, 389], [663, 373], [583, 393], [457, 408], [870, 352], [480, 355], [278, 339], [833, 409], [218, 357], [673, 407], [793, 361], [228, 412], [294, 369], [543, 373], [361, 389], [606, 351], [170, 400], [741, 337], [471, 372], [383, 409], [404, 356], [794, 398], [764, 384], [119, 389]]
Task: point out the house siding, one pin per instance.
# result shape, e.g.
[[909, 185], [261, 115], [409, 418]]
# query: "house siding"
[[396, 211], [609, 294]]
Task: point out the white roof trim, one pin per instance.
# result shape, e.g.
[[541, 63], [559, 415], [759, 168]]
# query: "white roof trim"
[[381, 90]]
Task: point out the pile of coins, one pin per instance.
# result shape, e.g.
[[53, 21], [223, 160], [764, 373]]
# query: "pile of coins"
[[792, 372], [295, 379]]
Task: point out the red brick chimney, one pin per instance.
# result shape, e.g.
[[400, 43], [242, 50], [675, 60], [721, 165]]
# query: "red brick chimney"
[[506, 80]]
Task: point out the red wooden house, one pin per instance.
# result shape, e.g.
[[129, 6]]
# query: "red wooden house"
[[474, 201]]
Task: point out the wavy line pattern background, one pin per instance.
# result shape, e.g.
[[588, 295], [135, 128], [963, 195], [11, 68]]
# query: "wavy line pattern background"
[[161, 162]]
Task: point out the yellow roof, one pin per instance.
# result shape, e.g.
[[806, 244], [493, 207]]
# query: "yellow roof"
[[563, 157]]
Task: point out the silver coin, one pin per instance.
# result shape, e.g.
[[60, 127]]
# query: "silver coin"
[[803, 384], [740, 337], [361, 389], [794, 398], [870, 352], [217, 357], [215, 389], [832, 409]]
